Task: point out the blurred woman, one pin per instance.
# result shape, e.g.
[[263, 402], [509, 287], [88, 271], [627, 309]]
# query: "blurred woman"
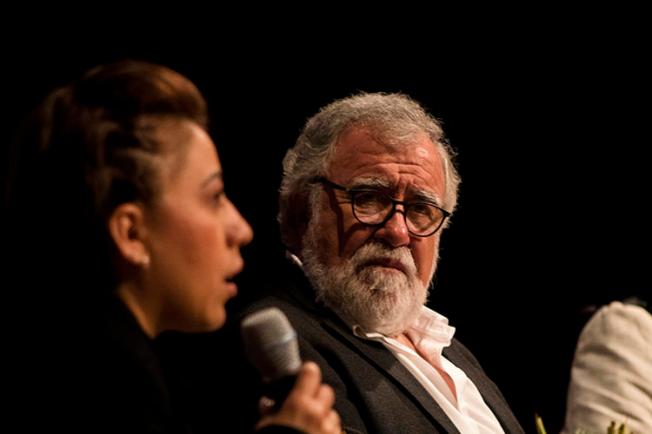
[[120, 229]]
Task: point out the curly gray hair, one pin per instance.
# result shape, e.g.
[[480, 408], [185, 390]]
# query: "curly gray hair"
[[393, 118]]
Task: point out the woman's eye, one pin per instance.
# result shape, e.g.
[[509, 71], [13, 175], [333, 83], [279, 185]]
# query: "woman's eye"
[[219, 196]]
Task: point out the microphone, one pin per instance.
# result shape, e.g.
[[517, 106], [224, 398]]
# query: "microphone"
[[271, 344]]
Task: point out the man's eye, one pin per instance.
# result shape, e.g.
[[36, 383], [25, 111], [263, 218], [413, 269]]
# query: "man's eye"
[[372, 200], [422, 209], [366, 198]]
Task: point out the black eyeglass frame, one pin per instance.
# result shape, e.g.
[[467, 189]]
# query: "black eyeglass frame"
[[353, 191]]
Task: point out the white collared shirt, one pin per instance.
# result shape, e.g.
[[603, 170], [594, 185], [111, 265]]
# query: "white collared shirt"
[[430, 334]]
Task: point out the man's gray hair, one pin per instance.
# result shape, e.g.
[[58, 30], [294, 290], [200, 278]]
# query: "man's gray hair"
[[393, 118]]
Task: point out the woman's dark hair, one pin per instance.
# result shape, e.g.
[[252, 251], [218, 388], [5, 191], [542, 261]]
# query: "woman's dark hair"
[[88, 148]]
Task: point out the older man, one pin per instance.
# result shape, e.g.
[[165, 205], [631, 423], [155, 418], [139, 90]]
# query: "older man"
[[366, 192]]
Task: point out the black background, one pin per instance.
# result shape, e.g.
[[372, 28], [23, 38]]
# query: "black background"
[[550, 122]]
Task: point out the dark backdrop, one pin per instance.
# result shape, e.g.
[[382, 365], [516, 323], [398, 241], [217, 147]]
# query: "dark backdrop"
[[553, 145]]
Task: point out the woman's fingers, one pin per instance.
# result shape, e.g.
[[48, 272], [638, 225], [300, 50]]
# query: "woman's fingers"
[[308, 407], [308, 380], [326, 396], [332, 424]]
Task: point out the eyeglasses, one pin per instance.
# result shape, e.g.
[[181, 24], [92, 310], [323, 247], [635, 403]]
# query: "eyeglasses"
[[375, 208]]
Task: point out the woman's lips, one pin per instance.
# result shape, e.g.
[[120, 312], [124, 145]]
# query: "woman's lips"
[[231, 288]]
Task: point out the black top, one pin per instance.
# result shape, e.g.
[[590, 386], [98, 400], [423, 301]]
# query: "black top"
[[115, 381], [100, 373]]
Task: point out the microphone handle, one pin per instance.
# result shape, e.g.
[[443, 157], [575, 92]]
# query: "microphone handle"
[[279, 389]]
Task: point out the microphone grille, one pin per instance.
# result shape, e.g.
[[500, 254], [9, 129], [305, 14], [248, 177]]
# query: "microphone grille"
[[271, 343]]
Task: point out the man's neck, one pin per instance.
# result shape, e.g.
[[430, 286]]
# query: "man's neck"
[[405, 340]]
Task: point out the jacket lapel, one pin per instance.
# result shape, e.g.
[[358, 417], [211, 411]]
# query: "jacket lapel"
[[489, 391], [376, 354]]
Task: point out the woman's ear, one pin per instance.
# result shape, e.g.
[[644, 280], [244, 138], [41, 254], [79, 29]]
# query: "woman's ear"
[[127, 228]]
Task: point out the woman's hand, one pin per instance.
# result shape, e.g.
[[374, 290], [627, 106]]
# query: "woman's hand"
[[308, 407]]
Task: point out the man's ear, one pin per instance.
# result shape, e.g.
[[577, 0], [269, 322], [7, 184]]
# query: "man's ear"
[[295, 223], [127, 228]]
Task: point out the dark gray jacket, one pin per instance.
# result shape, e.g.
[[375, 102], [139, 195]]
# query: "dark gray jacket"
[[375, 393]]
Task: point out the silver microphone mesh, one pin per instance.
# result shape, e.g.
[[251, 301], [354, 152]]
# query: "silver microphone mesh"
[[271, 343]]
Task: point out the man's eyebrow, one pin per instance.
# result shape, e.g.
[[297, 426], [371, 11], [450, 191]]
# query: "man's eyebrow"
[[426, 196], [376, 183], [370, 183]]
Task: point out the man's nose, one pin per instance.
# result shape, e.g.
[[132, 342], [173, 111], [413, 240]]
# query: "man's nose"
[[395, 231]]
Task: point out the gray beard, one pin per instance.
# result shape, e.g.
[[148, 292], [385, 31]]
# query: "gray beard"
[[363, 294]]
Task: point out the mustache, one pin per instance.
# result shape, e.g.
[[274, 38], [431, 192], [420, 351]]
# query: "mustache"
[[381, 254]]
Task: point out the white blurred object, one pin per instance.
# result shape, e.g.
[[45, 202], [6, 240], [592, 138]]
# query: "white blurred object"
[[611, 376]]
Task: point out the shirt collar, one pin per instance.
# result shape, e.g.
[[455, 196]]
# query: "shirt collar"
[[429, 330]]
